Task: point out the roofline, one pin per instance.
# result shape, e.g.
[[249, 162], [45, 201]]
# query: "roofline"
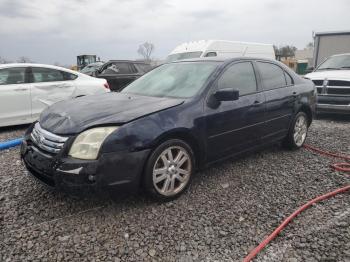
[[133, 61], [223, 60], [332, 33]]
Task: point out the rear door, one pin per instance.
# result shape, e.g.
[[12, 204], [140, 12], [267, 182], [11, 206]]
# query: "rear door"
[[118, 74], [280, 96], [50, 86], [15, 105], [235, 126]]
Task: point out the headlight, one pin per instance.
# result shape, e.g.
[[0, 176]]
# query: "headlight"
[[88, 143]]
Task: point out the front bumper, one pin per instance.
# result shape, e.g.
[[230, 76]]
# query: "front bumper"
[[111, 172], [333, 104]]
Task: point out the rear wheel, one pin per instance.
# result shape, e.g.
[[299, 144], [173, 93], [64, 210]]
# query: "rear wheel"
[[169, 170], [297, 132]]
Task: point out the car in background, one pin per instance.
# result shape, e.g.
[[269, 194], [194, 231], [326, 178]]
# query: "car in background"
[[160, 129], [120, 73], [332, 80], [27, 89], [220, 48], [91, 69]]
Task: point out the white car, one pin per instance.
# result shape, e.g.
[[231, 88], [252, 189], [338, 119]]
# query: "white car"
[[332, 80], [27, 89]]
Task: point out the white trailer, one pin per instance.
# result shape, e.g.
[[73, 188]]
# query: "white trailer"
[[330, 43], [221, 48]]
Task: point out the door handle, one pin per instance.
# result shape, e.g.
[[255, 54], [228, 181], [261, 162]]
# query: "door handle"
[[21, 89], [257, 103]]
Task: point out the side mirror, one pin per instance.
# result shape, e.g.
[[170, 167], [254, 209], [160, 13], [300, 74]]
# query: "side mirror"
[[226, 94]]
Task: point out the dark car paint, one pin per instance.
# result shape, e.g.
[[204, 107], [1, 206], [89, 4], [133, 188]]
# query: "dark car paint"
[[117, 82], [214, 130], [67, 117]]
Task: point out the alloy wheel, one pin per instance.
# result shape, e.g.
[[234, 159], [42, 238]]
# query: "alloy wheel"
[[172, 171], [300, 130]]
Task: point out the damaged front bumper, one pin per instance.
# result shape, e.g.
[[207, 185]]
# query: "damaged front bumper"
[[111, 172]]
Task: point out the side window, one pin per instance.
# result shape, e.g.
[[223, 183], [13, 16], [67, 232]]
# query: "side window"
[[11, 76], [68, 76], [289, 79], [239, 76], [144, 68], [117, 68], [272, 75], [210, 54], [41, 74]]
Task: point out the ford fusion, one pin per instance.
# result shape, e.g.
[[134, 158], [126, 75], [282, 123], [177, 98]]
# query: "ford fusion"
[[161, 128]]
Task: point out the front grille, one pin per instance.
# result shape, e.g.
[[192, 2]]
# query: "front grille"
[[47, 141], [333, 87]]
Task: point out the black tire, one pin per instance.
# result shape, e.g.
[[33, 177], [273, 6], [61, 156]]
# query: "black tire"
[[290, 142], [155, 159]]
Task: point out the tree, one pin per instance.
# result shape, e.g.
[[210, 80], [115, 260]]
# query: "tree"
[[310, 45], [146, 50], [24, 59], [4, 60], [285, 51]]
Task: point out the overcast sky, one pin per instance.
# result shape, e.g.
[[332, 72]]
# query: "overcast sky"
[[49, 31]]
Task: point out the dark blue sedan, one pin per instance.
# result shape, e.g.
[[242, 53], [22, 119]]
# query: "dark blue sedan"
[[161, 128]]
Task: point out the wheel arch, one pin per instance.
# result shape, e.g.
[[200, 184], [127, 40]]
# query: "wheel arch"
[[187, 136], [307, 110]]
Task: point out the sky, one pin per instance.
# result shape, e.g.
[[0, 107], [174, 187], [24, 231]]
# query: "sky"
[[56, 31]]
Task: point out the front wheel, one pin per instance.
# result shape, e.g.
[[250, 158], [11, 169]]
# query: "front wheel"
[[297, 132], [169, 170]]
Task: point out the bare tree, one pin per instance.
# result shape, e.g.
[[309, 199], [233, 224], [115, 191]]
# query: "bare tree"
[[4, 60], [285, 51], [310, 45], [24, 59], [146, 50]]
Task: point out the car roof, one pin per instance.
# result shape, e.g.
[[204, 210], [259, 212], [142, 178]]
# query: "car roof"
[[224, 60], [2, 66], [129, 61]]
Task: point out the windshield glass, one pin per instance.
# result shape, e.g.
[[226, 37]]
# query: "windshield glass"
[[182, 56], [180, 80], [336, 62]]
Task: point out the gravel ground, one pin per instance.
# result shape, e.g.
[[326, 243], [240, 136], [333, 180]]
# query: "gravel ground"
[[228, 209]]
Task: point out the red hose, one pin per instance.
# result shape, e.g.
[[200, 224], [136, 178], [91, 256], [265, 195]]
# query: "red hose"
[[345, 167]]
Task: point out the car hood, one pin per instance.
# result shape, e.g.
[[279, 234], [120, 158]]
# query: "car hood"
[[75, 115], [330, 74]]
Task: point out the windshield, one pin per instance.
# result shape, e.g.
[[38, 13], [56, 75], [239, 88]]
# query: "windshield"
[[182, 56], [180, 80], [336, 62]]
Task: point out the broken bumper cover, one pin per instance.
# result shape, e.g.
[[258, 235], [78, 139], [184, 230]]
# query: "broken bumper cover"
[[111, 172], [333, 104]]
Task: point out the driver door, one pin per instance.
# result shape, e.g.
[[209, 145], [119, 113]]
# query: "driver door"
[[235, 126]]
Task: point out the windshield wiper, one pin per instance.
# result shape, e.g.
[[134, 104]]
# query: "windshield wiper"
[[345, 67]]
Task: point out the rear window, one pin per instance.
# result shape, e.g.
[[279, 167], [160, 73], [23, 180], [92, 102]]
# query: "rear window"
[[144, 68]]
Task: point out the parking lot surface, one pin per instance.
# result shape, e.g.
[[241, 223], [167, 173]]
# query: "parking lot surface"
[[228, 209]]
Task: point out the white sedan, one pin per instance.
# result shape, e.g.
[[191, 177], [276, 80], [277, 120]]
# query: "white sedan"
[[27, 89]]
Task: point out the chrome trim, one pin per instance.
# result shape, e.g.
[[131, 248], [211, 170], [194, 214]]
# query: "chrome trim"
[[330, 106], [46, 140]]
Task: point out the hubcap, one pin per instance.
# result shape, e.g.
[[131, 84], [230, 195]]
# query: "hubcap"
[[300, 130], [172, 171]]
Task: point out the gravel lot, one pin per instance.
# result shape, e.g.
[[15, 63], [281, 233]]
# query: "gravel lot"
[[227, 211]]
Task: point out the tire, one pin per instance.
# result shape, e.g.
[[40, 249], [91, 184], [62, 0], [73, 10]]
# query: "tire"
[[297, 132], [169, 170]]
